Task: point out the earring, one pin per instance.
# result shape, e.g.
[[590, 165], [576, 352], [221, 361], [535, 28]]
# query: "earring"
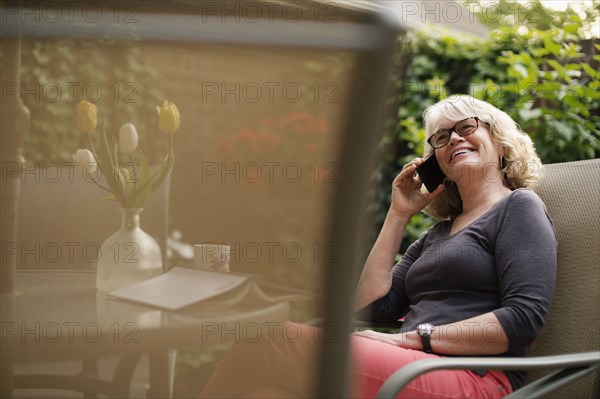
[[502, 164], [503, 169]]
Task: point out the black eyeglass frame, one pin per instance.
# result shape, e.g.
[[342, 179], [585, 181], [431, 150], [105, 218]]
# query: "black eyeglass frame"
[[453, 129]]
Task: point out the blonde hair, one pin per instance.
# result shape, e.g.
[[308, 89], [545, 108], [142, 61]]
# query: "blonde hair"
[[523, 165]]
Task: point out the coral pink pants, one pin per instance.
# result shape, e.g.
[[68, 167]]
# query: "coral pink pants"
[[286, 367]]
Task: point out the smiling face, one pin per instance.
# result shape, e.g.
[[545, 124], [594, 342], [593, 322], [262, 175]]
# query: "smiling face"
[[470, 157], [472, 161]]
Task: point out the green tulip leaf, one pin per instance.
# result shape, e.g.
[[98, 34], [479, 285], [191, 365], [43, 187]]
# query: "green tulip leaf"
[[110, 197]]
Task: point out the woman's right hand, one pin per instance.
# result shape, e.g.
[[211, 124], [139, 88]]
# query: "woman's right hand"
[[407, 197]]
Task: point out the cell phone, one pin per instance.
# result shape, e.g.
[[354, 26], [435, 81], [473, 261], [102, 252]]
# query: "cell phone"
[[431, 174]]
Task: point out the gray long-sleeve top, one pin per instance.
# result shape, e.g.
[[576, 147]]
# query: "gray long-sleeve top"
[[504, 262]]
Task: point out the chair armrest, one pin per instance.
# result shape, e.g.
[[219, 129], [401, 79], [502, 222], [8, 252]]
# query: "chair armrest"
[[577, 365]]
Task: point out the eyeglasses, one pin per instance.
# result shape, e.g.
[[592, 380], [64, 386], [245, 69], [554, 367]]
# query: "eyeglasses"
[[462, 128]]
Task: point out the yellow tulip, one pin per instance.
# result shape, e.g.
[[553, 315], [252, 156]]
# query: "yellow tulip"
[[87, 118], [168, 117]]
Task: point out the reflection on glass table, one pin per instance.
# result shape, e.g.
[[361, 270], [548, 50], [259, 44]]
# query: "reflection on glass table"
[[60, 316]]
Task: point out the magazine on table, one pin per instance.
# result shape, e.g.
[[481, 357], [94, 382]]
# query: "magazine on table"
[[181, 287]]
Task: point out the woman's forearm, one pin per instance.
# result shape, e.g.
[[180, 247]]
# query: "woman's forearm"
[[477, 336], [376, 278], [480, 335]]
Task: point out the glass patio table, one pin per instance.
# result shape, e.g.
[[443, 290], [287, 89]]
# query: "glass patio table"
[[60, 316]]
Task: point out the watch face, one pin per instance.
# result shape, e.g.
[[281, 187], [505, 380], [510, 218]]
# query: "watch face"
[[425, 329]]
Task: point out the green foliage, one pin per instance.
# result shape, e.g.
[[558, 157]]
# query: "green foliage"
[[57, 74], [536, 72], [531, 14]]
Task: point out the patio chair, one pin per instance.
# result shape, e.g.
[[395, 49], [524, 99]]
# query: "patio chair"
[[570, 339], [361, 36]]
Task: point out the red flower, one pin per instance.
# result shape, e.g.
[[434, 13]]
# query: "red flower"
[[247, 135], [310, 147], [284, 120], [300, 128], [320, 126]]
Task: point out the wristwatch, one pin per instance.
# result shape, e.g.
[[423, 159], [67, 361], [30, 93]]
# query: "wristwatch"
[[425, 331]]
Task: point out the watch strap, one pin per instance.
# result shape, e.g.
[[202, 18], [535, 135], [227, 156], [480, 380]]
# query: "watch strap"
[[425, 330], [426, 340]]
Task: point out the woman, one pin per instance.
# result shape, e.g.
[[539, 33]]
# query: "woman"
[[483, 277], [479, 282]]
